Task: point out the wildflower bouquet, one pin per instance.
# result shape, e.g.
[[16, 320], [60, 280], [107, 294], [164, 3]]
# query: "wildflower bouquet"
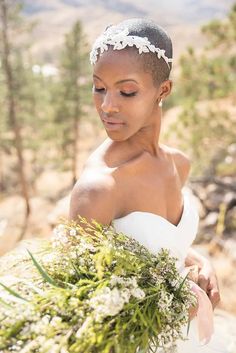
[[97, 291]]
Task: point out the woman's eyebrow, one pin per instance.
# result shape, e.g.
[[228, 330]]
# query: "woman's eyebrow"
[[127, 79], [121, 81], [95, 76]]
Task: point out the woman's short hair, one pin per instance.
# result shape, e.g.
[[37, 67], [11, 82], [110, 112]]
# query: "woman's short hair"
[[158, 37]]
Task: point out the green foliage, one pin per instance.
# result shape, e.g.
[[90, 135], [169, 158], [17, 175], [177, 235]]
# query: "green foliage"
[[47, 108], [211, 74], [12, 292], [117, 296], [18, 32], [222, 33], [200, 129], [72, 90], [43, 273], [204, 77]]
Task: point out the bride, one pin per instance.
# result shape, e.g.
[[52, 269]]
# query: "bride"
[[132, 180]]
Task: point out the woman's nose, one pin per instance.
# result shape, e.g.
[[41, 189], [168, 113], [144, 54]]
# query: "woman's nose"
[[109, 104]]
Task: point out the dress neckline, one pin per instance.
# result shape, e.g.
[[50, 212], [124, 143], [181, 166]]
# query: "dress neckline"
[[151, 214]]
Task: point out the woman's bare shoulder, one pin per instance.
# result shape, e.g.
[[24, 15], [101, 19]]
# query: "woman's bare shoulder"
[[93, 197], [182, 162]]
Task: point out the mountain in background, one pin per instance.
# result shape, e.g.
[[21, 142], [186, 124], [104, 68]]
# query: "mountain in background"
[[181, 18]]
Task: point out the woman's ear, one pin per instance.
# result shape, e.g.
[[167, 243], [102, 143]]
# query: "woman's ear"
[[165, 89]]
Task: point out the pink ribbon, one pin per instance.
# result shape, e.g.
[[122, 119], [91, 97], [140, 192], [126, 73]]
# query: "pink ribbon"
[[204, 314]]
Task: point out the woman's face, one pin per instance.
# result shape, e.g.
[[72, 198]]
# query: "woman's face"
[[124, 95]]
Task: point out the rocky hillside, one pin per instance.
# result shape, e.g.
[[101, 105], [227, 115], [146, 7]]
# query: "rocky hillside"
[[181, 18]]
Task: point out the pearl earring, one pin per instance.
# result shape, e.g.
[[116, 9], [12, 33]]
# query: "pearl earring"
[[160, 103]]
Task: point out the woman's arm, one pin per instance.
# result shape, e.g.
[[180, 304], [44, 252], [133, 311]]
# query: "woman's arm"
[[93, 201], [207, 279]]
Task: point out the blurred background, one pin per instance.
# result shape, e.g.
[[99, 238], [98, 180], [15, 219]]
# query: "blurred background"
[[48, 124]]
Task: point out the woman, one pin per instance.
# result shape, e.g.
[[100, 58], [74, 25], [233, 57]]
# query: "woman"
[[132, 180]]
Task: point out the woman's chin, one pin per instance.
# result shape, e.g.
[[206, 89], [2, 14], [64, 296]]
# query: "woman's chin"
[[116, 135]]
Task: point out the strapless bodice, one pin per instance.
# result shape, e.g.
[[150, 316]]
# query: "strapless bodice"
[[156, 232]]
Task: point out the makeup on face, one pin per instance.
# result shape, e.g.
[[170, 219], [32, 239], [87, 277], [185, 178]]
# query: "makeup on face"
[[124, 95], [126, 87]]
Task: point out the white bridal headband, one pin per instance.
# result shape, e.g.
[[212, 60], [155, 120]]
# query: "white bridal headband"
[[121, 39]]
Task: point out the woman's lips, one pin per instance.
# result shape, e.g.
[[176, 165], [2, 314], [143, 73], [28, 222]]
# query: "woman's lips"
[[112, 121], [112, 124]]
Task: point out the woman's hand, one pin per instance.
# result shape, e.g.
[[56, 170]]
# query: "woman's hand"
[[207, 279]]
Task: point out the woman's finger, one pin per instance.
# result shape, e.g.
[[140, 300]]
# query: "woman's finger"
[[213, 292], [203, 281], [214, 297]]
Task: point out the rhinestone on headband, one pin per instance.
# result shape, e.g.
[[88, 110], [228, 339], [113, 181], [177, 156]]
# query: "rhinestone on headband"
[[122, 39]]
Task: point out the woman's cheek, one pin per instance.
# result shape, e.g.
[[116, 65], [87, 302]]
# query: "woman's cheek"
[[140, 109], [97, 102]]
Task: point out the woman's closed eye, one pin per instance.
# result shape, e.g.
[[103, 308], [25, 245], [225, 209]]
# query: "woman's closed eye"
[[131, 94], [101, 90]]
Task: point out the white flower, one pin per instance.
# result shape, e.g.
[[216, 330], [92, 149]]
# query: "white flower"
[[108, 302], [130, 282], [84, 327], [114, 280], [165, 301], [84, 245], [125, 294], [138, 293], [60, 230], [60, 235], [72, 232], [56, 320]]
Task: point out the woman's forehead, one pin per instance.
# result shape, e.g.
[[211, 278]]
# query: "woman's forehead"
[[120, 65], [125, 56]]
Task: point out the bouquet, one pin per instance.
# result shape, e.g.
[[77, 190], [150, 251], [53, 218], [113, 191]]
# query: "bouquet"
[[96, 291]]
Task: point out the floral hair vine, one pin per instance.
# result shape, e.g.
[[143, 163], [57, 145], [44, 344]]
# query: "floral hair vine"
[[121, 39]]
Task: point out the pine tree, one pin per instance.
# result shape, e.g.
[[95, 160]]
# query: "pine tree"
[[206, 76], [71, 94], [10, 17], [17, 96], [222, 33]]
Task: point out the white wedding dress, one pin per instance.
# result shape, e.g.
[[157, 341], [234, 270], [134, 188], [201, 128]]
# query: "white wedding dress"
[[155, 232]]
